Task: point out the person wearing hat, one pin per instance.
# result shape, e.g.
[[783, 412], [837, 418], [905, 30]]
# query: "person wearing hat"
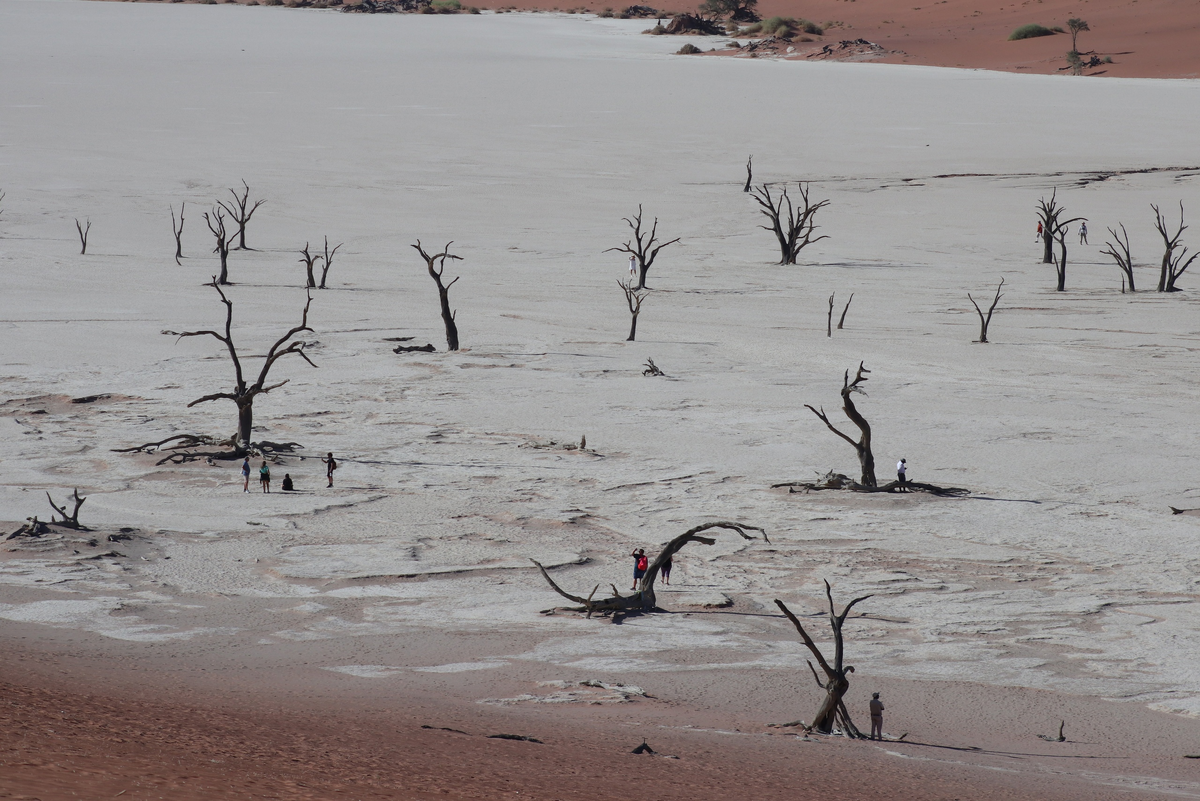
[[876, 717]]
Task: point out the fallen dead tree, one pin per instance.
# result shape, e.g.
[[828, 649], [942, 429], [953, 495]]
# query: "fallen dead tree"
[[35, 528], [182, 448], [644, 599], [840, 481]]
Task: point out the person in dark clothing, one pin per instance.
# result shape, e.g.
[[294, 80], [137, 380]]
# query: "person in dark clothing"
[[330, 465], [640, 563], [264, 477], [287, 483], [665, 570]]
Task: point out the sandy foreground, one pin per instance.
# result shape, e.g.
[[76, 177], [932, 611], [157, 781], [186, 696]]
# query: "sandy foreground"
[[233, 645]]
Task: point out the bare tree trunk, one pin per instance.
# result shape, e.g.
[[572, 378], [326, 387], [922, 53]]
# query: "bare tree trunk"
[[749, 173], [866, 459], [984, 322], [634, 298], [308, 260], [837, 675], [1048, 211], [842, 319], [216, 224], [68, 520], [794, 231], [328, 261], [83, 235], [245, 424], [1118, 248], [641, 246], [240, 211], [178, 229], [829, 318], [437, 265]]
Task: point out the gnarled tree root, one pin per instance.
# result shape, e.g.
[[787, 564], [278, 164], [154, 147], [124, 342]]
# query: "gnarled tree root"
[[839, 481]]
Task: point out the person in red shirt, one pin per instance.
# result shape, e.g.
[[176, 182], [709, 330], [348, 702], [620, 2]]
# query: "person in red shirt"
[[640, 563]]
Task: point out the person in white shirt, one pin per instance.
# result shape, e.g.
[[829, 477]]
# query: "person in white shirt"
[[901, 474], [632, 267]]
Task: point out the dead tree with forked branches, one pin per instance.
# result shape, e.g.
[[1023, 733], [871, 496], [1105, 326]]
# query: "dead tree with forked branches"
[[437, 265], [244, 392], [1173, 265], [833, 708], [83, 235], [1048, 211], [216, 224], [641, 246], [68, 520], [643, 600], [308, 260], [1059, 232], [327, 261], [984, 322], [634, 299], [749, 173], [866, 459], [177, 229], [841, 320], [240, 211], [795, 230], [1118, 248]]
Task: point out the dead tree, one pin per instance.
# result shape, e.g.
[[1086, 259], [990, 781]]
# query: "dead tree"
[[837, 682], [1, 201], [634, 299], [437, 265], [1173, 265], [308, 260], [216, 224], [1118, 248], [1048, 212], [1059, 232], [83, 235], [749, 173], [328, 261], [829, 318], [643, 600], [240, 211], [984, 322], [244, 393], [642, 246], [795, 229], [68, 520], [842, 319], [866, 459], [178, 230]]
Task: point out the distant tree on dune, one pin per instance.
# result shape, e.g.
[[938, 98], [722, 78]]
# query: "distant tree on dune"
[[736, 10], [1076, 26]]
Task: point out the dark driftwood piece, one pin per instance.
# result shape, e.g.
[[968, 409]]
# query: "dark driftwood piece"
[[634, 299], [181, 448], [437, 265], [216, 224], [842, 319], [328, 261], [83, 235], [866, 459], [749, 173], [652, 369], [837, 682], [1118, 248], [1172, 266], [840, 481], [644, 599], [68, 520], [794, 231], [244, 393], [426, 348], [641, 246], [240, 211], [177, 228], [309, 259], [984, 322], [1059, 738]]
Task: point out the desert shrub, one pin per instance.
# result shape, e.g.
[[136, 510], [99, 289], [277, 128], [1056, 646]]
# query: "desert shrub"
[[473, 10], [446, 6], [688, 49], [1031, 31], [657, 30], [783, 27], [1107, 59], [607, 13]]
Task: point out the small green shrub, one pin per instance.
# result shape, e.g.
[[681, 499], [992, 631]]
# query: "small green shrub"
[[657, 30], [688, 49], [783, 27], [1031, 31], [473, 10], [446, 6], [607, 13]]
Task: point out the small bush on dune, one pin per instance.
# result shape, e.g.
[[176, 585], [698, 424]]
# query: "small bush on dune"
[[782, 27], [1031, 31], [446, 6], [688, 49]]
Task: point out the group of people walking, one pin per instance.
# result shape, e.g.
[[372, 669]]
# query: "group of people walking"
[[264, 475]]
